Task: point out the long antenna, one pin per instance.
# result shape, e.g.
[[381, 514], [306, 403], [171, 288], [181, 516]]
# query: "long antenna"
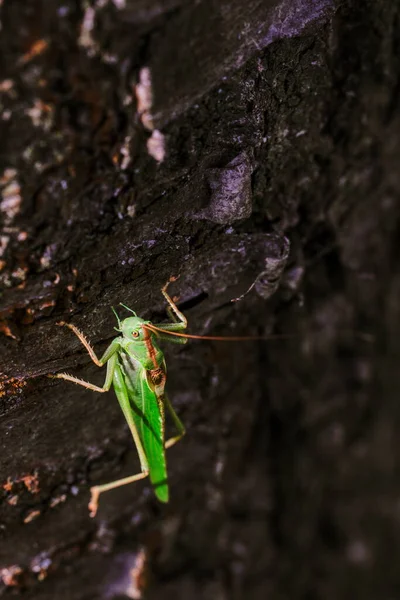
[[366, 337], [218, 338]]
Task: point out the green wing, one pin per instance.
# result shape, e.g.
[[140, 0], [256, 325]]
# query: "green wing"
[[145, 411], [152, 435]]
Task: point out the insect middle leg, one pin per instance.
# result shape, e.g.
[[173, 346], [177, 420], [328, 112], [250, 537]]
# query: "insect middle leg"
[[178, 318], [109, 356], [86, 384]]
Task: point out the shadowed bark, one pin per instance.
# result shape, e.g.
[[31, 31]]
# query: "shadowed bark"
[[252, 149]]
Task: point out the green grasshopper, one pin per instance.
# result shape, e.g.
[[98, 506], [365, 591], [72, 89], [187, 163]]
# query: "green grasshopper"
[[136, 369]]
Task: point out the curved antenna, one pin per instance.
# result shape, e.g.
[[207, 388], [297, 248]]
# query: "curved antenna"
[[127, 308], [119, 322]]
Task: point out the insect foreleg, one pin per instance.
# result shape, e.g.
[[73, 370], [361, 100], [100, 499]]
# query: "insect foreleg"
[[86, 384], [112, 348]]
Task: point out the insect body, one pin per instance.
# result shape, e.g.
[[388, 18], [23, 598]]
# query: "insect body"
[[136, 369]]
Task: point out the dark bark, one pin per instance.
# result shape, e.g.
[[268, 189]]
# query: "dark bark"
[[142, 140]]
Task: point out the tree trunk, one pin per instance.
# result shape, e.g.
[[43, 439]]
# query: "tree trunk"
[[250, 148]]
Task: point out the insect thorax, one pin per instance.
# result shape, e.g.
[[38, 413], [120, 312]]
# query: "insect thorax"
[[136, 354]]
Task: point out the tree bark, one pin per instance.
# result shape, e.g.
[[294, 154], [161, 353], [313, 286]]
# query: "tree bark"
[[250, 148]]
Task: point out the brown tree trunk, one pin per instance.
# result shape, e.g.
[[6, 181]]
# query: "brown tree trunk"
[[252, 148]]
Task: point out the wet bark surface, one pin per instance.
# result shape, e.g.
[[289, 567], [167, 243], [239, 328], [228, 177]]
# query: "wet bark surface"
[[252, 149]]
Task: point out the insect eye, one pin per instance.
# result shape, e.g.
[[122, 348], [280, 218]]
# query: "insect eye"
[[135, 334]]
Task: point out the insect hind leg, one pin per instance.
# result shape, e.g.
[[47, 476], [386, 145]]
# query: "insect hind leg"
[[96, 490]]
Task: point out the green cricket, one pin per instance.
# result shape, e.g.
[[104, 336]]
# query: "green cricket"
[[136, 368]]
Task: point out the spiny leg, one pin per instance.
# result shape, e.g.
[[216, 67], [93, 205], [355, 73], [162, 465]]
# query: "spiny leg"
[[84, 341], [86, 384], [108, 357], [96, 490], [172, 315], [172, 305], [177, 422]]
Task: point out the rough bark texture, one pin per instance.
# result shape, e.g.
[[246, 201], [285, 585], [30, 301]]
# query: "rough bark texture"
[[145, 139]]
